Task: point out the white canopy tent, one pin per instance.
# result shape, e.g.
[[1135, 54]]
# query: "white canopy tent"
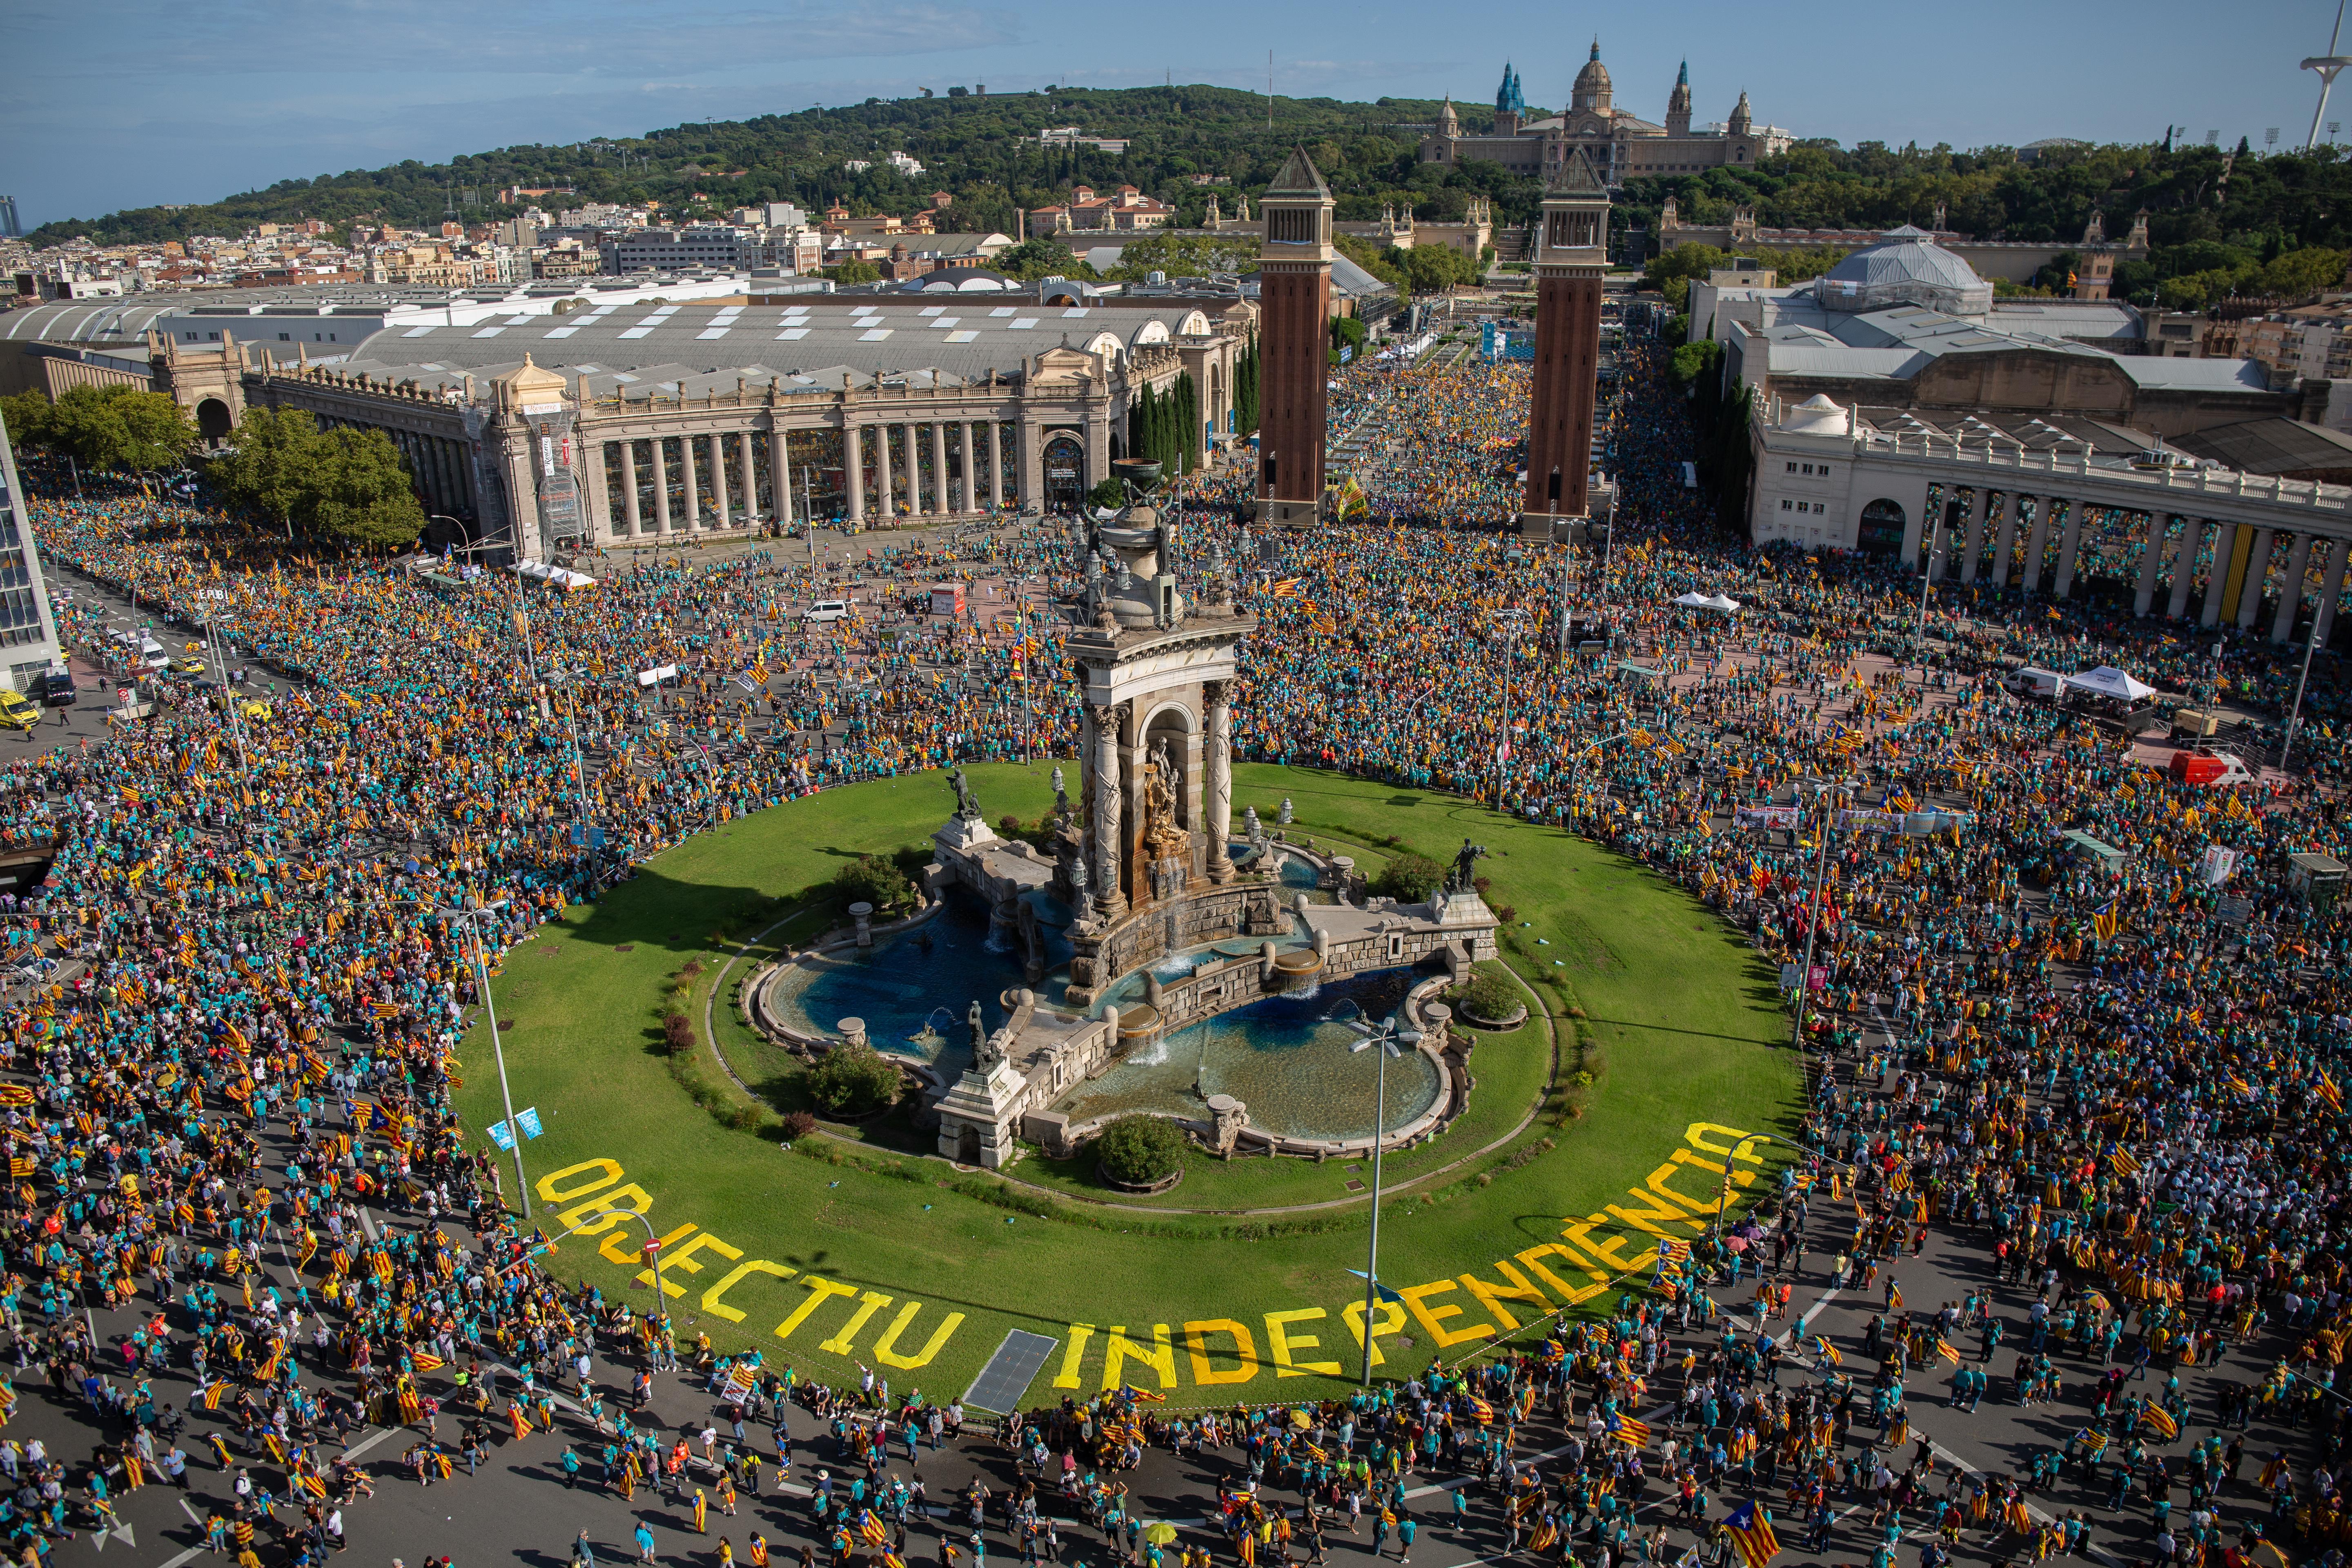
[[2106, 681], [560, 578]]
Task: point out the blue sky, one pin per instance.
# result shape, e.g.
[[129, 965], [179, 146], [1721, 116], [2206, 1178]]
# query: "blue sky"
[[112, 104]]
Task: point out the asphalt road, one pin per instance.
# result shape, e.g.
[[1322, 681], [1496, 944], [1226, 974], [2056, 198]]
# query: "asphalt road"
[[520, 1509]]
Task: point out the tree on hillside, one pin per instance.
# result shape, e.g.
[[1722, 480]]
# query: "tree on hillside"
[[1042, 257]]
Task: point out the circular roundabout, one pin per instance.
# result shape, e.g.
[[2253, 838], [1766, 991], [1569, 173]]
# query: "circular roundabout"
[[774, 1083]]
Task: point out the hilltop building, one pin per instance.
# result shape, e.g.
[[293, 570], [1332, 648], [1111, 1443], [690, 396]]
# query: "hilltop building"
[[1619, 144]]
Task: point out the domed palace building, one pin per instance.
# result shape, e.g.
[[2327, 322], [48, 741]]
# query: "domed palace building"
[[1621, 144]]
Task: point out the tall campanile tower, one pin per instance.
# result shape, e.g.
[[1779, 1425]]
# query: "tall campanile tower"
[[1570, 257], [1294, 312]]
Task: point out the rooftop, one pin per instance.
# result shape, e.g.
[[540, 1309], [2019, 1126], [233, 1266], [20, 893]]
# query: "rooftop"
[[879, 335]]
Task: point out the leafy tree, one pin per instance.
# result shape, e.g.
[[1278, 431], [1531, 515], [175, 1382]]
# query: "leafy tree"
[[2298, 273], [1182, 255], [1372, 257], [1435, 269], [870, 879], [1694, 360], [1489, 994], [1245, 378], [1410, 879], [363, 494], [2197, 291], [276, 465], [1669, 271], [26, 415], [1035, 258], [1138, 1150], [851, 273], [850, 1080], [1107, 493], [120, 429]]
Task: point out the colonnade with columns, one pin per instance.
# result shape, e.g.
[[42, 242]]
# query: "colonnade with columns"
[[872, 469], [2185, 564]]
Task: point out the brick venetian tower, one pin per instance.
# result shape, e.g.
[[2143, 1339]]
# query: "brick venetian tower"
[[1294, 312], [1570, 257]]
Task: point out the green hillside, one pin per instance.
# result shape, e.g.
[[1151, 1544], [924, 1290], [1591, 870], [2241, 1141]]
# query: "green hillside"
[[2220, 223]]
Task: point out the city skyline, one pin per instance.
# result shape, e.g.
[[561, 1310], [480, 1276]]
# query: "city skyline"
[[198, 107]]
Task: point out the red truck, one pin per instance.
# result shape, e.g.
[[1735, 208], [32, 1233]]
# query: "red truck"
[[2210, 769]]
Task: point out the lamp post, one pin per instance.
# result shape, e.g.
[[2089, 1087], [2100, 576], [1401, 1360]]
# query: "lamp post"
[[1391, 1041], [498, 1051], [1930, 551], [1823, 794], [2294, 715]]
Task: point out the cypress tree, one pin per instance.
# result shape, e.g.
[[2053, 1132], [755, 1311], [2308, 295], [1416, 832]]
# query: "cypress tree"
[[1188, 413]]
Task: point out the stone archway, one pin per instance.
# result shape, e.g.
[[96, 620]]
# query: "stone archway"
[[1066, 481], [213, 421], [1880, 532]]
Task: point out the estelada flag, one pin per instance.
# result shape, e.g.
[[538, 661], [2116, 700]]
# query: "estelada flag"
[[2158, 1417], [1751, 1532], [1631, 1433]]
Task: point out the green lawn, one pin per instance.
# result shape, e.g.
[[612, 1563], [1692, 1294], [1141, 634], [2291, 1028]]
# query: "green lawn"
[[869, 1251]]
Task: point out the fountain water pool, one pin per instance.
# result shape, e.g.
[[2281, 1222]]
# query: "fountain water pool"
[[912, 988], [1285, 1057]]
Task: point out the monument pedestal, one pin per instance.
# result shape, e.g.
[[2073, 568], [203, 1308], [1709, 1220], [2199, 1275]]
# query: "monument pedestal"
[[980, 1115], [964, 833]]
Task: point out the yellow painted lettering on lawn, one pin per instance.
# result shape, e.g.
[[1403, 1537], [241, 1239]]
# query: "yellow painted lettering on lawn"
[[1608, 1249], [632, 1251], [1653, 1214], [1704, 1206], [1738, 1178], [885, 1349], [1515, 1288], [1196, 1336], [1071, 1354], [1417, 1301], [1119, 1349], [631, 1199], [714, 1299], [845, 1343], [1571, 1294], [684, 1258], [1696, 1136], [819, 1292], [1280, 1342], [551, 1189], [1390, 1321]]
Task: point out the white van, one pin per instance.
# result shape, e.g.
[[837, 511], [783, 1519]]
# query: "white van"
[[826, 610], [2032, 681], [138, 650]]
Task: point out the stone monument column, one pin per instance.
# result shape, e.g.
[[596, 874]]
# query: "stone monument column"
[[1218, 803], [1111, 726]]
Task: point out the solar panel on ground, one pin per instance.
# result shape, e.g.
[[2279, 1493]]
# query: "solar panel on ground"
[[1007, 1375]]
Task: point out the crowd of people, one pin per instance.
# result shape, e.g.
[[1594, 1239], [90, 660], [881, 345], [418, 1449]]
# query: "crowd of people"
[[241, 986]]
